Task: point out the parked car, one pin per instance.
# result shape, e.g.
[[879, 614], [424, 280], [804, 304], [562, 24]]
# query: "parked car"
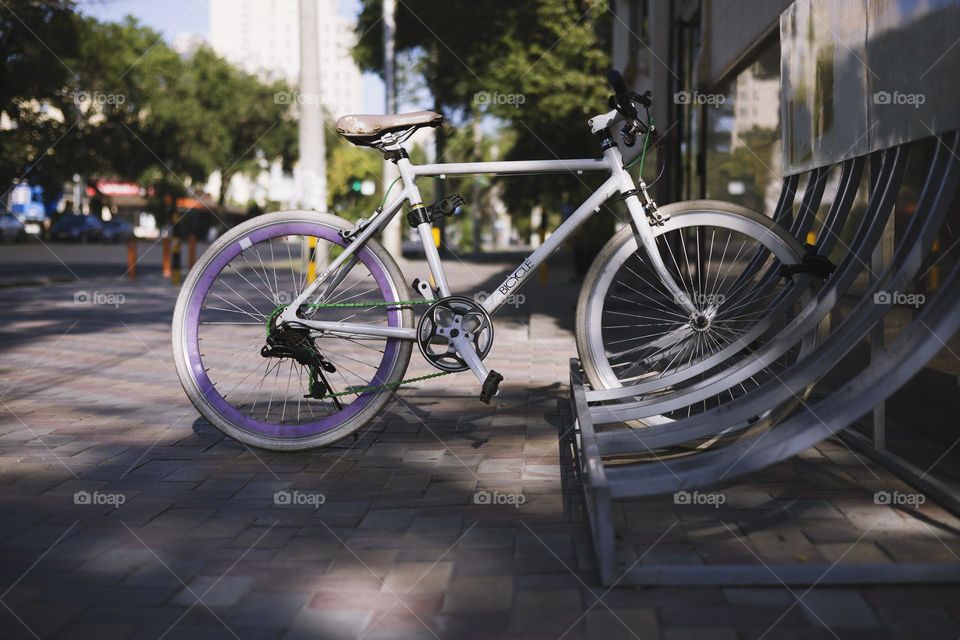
[[33, 221], [80, 228], [117, 230], [11, 229]]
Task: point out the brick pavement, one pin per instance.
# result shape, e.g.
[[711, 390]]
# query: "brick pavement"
[[89, 402]]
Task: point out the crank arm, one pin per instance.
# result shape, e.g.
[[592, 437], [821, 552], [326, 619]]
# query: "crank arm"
[[464, 348], [490, 380]]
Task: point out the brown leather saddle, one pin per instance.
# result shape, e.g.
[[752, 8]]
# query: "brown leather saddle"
[[366, 129]]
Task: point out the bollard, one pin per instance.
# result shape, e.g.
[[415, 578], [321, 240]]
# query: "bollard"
[[165, 243], [191, 251], [175, 273], [311, 259], [132, 258]]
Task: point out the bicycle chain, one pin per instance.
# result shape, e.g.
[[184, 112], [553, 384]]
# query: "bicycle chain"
[[352, 305]]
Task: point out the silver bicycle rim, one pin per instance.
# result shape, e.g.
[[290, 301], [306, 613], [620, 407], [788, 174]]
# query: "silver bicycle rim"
[[692, 357]]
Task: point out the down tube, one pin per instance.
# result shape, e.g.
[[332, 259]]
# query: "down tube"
[[515, 280]]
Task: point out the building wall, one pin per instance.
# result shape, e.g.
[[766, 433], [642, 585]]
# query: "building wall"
[[263, 37], [860, 77], [735, 27]]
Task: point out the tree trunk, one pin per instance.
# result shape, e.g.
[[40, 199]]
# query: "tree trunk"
[[222, 196]]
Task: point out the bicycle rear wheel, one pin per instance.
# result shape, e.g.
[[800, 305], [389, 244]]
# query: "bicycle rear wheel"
[[222, 320]]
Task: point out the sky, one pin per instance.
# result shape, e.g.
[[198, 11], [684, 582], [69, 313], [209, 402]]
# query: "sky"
[[176, 17]]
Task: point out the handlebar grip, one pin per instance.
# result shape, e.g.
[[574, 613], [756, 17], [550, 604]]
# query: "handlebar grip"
[[616, 81]]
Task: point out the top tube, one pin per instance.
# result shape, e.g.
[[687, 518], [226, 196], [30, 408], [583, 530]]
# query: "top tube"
[[512, 166]]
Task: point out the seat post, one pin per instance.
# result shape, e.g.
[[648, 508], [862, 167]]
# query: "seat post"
[[392, 150]]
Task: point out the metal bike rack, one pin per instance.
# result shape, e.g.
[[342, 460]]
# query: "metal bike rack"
[[617, 463]]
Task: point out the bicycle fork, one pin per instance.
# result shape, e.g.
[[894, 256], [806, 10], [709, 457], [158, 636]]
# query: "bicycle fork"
[[644, 233]]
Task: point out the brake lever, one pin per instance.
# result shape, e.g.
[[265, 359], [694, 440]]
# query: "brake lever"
[[630, 130]]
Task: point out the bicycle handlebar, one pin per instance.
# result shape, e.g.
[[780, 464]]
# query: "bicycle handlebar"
[[625, 102]]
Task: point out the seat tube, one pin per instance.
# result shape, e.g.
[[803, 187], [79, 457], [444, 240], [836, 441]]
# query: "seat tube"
[[424, 229]]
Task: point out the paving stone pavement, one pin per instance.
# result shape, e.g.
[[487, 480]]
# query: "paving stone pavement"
[[125, 515]]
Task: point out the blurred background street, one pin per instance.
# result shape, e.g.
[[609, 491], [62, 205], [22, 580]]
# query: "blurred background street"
[[133, 133]]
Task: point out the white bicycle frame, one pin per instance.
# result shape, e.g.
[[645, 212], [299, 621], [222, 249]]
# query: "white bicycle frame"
[[619, 181]]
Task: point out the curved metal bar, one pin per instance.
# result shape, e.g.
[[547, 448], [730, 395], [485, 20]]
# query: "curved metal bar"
[[810, 204], [843, 200], [779, 307], [788, 193], [837, 216], [913, 249], [869, 232], [920, 341], [782, 215], [812, 197], [859, 322]]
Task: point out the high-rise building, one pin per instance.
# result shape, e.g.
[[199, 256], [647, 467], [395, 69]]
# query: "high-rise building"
[[263, 37]]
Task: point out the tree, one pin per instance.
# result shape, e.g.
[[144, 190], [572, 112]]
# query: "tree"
[[254, 124], [35, 38], [484, 58], [347, 163], [120, 103]]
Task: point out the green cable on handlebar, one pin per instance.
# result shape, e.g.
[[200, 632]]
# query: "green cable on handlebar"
[[643, 153]]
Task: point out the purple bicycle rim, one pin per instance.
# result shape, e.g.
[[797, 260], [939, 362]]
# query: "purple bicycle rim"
[[205, 385]]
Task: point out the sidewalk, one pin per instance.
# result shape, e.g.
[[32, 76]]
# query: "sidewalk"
[[400, 547]]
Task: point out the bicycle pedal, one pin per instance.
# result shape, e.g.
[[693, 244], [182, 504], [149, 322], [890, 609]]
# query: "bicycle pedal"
[[491, 386]]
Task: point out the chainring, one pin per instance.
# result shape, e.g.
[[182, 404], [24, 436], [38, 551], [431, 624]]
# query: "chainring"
[[445, 319]]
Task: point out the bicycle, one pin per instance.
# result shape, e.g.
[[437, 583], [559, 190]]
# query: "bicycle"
[[282, 357]]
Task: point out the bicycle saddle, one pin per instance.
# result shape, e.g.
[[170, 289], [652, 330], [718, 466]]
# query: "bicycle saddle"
[[366, 129]]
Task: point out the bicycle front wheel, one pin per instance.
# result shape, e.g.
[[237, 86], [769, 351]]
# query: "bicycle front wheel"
[[631, 332], [303, 389]]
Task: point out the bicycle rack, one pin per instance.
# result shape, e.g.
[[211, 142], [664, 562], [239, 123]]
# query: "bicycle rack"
[[735, 446]]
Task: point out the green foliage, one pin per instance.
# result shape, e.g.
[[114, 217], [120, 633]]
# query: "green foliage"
[[251, 126], [114, 100], [483, 59], [35, 37], [347, 163]]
